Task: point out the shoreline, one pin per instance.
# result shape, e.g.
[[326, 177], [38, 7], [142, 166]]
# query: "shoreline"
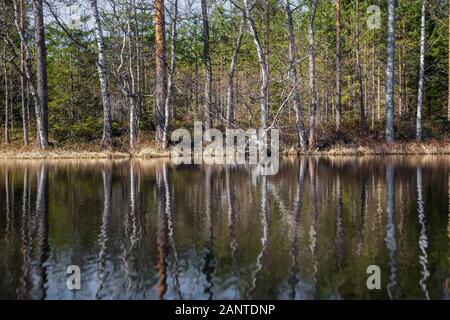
[[380, 149]]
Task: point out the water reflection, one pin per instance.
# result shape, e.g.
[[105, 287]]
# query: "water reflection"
[[103, 235], [423, 239], [151, 230], [391, 243]]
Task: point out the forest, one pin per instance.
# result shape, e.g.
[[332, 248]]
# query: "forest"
[[122, 74]]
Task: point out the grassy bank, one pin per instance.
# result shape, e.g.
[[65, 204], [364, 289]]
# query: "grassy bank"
[[380, 148], [148, 152], [85, 151]]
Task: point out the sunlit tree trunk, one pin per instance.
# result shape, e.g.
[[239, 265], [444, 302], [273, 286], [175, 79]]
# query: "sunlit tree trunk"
[[421, 73], [101, 65], [390, 70], [293, 78], [161, 77], [312, 78]]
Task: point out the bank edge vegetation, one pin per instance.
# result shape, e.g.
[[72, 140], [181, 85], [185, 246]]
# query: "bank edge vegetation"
[[130, 71]]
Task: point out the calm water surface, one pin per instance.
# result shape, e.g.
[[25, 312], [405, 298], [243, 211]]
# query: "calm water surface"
[[149, 230]]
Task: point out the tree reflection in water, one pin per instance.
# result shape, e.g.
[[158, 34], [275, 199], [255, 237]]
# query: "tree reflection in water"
[[145, 229]]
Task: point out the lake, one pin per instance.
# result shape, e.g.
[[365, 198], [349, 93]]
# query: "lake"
[[146, 229]]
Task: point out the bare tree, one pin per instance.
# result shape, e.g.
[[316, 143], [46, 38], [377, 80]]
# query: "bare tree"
[[312, 78], [421, 73], [207, 61], [293, 78], [126, 77], [101, 65], [390, 70], [264, 88], [230, 91]]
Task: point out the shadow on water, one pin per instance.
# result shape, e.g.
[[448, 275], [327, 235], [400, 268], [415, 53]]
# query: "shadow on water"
[[146, 229]]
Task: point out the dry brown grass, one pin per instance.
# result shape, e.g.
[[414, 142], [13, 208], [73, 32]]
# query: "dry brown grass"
[[432, 147]]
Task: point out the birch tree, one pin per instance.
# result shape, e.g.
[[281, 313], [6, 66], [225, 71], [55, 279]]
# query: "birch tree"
[[168, 103], [421, 73], [312, 78], [264, 88], [101, 65], [31, 82], [293, 78], [390, 70]]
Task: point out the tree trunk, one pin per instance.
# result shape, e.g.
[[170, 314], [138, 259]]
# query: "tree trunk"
[[390, 70], [42, 214], [293, 78], [134, 119], [168, 102], [448, 102], [27, 66], [390, 240], [161, 84], [421, 73], [207, 61], [264, 89], [101, 65], [6, 89], [230, 91], [104, 228], [312, 78], [338, 64], [41, 74], [23, 84], [359, 72]]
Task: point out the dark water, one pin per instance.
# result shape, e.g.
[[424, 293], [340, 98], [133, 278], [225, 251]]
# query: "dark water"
[[148, 230]]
